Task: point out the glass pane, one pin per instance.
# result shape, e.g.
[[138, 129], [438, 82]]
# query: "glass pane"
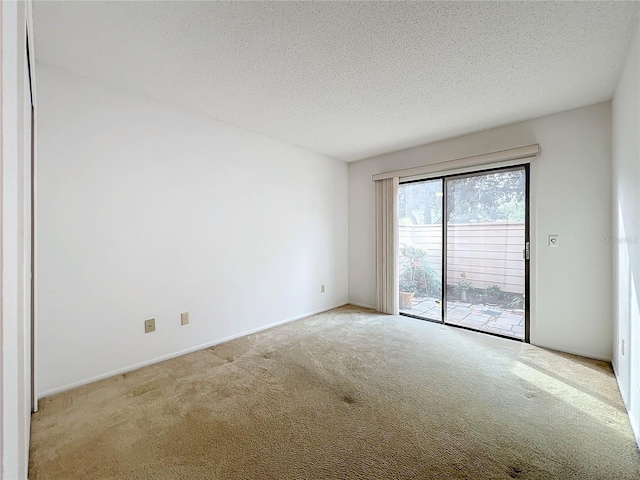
[[420, 239], [485, 240]]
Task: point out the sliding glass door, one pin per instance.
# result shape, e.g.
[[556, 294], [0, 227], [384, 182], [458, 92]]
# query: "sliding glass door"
[[483, 275]]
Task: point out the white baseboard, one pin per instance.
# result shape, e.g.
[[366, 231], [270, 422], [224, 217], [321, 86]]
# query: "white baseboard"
[[179, 353], [573, 352], [634, 428], [362, 305]]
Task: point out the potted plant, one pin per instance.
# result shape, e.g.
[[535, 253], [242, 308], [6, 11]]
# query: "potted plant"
[[492, 294], [408, 289], [416, 268], [517, 302], [464, 285], [415, 255]]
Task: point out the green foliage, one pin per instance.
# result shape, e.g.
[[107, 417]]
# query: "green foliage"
[[420, 278], [407, 285], [407, 275], [493, 197], [434, 287], [517, 302], [512, 211], [496, 197], [413, 253], [464, 284], [492, 291], [420, 203]]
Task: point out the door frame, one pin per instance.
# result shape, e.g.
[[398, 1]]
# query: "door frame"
[[527, 240], [30, 207]]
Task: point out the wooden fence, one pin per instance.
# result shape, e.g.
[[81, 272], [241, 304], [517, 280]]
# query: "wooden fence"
[[489, 253]]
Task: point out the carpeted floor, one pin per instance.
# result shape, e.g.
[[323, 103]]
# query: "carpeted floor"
[[346, 394]]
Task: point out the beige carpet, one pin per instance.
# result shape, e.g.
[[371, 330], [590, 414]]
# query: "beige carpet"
[[347, 394]]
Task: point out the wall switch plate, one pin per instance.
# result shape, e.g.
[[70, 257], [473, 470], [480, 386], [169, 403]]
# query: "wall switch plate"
[[150, 325], [184, 318], [553, 240], [321, 288]]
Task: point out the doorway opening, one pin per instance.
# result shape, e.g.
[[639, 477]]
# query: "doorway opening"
[[464, 250]]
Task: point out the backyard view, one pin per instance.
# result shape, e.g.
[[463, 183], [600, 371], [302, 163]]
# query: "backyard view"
[[485, 240]]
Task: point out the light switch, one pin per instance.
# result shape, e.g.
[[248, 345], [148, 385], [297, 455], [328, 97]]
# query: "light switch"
[[553, 240]]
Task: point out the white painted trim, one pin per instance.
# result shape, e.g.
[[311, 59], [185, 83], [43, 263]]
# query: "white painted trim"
[[11, 136], [572, 352], [362, 305], [34, 291], [459, 164], [636, 431], [32, 51], [32, 73], [169, 356]]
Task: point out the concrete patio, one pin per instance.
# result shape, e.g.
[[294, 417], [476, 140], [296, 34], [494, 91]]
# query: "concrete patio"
[[484, 318]]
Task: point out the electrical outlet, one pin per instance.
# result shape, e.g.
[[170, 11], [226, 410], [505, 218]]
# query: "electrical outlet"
[[184, 318], [150, 325], [321, 288]]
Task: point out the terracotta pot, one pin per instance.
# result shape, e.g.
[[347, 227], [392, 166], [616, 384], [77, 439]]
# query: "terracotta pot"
[[406, 299]]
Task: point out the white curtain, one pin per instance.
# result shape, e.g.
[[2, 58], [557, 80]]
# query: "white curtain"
[[386, 245]]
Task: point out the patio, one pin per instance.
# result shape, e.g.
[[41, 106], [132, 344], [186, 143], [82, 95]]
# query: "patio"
[[485, 318]]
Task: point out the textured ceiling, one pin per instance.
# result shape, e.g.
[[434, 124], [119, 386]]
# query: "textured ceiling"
[[349, 80]]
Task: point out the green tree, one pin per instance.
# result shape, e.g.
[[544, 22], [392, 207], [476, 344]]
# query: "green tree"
[[496, 197], [421, 202]]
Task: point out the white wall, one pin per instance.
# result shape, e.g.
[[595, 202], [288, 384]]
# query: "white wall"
[[146, 211], [15, 399], [570, 196], [626, 233]]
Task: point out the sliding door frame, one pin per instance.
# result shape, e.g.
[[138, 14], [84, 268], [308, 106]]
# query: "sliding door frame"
[[443, 275], [527, 254], [526, 250]]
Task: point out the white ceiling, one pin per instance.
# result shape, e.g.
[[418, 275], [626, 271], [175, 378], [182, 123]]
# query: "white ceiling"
[[350, 80]]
